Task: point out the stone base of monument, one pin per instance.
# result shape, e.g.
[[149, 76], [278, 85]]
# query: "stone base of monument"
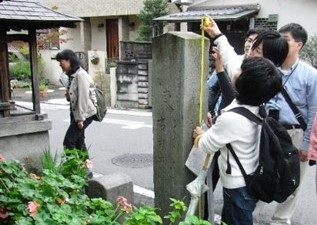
[[110, 187]]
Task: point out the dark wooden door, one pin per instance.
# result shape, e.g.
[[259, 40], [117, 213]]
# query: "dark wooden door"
[[112, 39]]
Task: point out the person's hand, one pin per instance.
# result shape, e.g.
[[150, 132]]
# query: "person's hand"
[[209, 120], [80, 124], [303, 155], [67, 96], [197, 131], [218, 60], [212, 29]]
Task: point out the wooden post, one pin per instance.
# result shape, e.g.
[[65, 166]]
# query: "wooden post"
[[4, 75], [34, 72]]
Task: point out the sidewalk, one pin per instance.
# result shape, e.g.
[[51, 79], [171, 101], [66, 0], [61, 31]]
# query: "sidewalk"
[[56, 96], [25, 95]]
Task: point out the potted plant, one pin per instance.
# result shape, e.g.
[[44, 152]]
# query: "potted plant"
[[43, 90], [95, 59]]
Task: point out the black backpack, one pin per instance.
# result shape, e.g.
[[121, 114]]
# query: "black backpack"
[[278, 173]]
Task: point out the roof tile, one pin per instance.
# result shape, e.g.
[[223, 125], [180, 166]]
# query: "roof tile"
[[7, 12], [17, 17], [29, 4], [9, 7], [31, 10], [93, 8], [217, 12], [21, 14]]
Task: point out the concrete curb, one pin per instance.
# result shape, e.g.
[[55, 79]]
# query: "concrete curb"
[[142, 196]]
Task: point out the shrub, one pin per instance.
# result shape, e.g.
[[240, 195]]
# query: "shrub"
[[309, 52], [56, 197], [21, 70], [152, 9]]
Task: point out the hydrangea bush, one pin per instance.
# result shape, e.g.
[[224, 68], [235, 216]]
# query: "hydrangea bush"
[[57, 197]]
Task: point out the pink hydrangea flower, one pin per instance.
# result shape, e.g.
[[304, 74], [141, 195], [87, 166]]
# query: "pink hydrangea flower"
[[3, 214], [1, 157], [123, 202], [32, 207], [33, 175]]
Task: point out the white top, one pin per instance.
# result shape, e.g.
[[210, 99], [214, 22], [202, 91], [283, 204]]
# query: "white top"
[[230, 59], [243, 135], [82, 95]]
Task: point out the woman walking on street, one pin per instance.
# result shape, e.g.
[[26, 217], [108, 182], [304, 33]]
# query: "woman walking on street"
[[80, 93]]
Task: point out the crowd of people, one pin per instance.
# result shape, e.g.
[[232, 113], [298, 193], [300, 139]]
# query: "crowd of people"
[[269, 68], [270, 64]]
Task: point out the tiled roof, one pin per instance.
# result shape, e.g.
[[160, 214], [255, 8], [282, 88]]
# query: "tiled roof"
[[95, 8], [32, 12], [230, 13]]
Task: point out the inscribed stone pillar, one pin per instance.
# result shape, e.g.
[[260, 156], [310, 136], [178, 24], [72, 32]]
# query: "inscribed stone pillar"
[[175, 93]]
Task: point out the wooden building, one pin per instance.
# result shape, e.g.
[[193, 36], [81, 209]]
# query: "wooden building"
[[24, 131]]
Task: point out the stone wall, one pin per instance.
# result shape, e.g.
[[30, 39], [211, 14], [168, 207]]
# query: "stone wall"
[[133, 75], [127, 84], [24, 139]]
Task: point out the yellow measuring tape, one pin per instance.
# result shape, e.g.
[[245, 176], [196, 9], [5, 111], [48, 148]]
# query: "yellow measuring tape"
[[202, 75], [204, 22]]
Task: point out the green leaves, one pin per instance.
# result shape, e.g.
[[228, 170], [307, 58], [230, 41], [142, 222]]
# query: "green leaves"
[[194, 220], [152, 9], [179, 207], [144, 216], [56, 197], [309, 52]]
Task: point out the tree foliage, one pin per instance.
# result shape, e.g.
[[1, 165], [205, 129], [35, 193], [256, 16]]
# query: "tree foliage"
[[152, 9], [309, 52]]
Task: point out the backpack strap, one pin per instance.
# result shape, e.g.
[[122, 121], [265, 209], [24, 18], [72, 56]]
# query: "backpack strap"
[[295, 110], [247, 113], [238, 161]]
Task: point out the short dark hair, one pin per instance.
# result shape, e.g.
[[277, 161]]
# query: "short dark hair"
[[275, 47], [297, 31], [68, 54], [254, 31], [259, 81]]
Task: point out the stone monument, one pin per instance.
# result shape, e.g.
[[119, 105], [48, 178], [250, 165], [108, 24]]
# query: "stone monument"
[[175, 94]]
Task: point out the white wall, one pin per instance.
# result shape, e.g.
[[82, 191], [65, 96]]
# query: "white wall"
[[98, 34], [133, 30], [52, 70], [75, 41], [100, 68], [302, 12]]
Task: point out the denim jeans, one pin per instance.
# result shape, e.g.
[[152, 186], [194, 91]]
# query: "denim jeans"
[[238, 206], [75, 137]]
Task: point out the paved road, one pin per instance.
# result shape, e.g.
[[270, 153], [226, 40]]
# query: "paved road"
[[126, 132]]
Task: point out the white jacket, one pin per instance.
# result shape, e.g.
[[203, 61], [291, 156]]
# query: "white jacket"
[[230, 59], [82, 95], [243, 135]]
